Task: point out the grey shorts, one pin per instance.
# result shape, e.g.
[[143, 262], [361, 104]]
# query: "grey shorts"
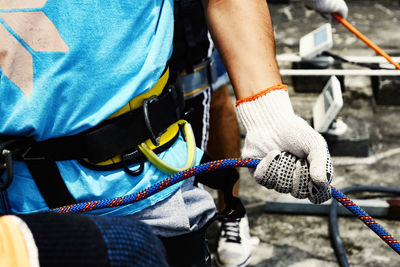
[[187, 210]]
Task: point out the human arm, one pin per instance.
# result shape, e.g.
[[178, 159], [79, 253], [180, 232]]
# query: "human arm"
[[243, 34]]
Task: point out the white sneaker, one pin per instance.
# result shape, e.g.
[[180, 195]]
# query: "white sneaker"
[[235, 243]]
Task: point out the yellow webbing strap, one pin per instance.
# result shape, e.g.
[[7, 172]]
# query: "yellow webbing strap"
[[138, 100], [165, 167], [137, 103]]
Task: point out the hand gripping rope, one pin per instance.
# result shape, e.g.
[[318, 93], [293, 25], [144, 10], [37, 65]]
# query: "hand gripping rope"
[[212, 166]]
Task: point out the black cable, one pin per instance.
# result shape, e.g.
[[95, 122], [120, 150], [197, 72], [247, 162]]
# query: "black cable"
[[334, 234], [373, 66]]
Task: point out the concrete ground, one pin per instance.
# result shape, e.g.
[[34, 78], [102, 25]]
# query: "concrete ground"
[[303, 240]]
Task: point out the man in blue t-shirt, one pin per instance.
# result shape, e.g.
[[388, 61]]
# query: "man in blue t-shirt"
[[77, 86]]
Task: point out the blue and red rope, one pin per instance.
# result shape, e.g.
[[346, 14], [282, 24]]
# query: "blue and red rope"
[[212, 166], [366, 219]]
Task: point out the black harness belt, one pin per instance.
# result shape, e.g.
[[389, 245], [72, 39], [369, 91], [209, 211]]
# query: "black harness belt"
[[119, 135], [114, 136]]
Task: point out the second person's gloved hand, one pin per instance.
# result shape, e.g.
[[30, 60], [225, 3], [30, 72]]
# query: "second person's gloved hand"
[[295, 158], [327, 7]]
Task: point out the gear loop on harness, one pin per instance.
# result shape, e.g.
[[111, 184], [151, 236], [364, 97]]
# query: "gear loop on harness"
[[131, 155], [188, 135]]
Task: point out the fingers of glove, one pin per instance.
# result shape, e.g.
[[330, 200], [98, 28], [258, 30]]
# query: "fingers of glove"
[[276, 170], [327, 7], [321, 173], [319, 194], [342, 11], [265, 173], [321, 170], [342, 8], [303, 187], [284, 172], [301, 180]]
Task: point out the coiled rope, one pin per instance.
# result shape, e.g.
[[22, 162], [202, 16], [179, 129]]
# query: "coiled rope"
[[212, 166]]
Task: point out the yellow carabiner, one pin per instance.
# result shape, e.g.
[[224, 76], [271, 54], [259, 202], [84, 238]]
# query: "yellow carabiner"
[[191, 151]]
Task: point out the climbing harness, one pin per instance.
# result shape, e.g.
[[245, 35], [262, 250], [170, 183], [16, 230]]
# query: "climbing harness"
[[212, 166], [108, 139], [147, 117], [363, 38]]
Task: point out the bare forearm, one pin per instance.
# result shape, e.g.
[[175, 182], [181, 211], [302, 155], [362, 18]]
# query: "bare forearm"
[[243, 34]]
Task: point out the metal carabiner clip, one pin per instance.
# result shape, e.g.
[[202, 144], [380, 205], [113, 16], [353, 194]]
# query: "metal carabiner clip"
[[153, 138]]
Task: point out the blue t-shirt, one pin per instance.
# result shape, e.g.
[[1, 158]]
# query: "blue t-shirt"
[[66, 66]]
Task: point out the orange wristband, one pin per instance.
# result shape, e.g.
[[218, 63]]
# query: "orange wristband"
[[259, 94]]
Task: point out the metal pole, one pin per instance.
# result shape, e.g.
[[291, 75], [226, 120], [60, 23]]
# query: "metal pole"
[[338, 72], [326, 59]]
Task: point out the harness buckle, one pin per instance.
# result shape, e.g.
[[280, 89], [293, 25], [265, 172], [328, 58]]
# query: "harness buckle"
[[155, 139], [11, 149], [8, 167]]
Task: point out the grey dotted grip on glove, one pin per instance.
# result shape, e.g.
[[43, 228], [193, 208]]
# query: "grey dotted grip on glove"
[[285, 173]]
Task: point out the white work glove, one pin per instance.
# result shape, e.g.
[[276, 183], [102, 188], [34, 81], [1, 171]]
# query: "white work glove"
[[327, 7], [295, 157]]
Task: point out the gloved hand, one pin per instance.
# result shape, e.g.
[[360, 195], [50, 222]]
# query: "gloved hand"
[[294, 156], [327, 7]]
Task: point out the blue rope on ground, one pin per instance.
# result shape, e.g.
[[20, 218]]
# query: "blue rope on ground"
[[365, 218], [212, 166]]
